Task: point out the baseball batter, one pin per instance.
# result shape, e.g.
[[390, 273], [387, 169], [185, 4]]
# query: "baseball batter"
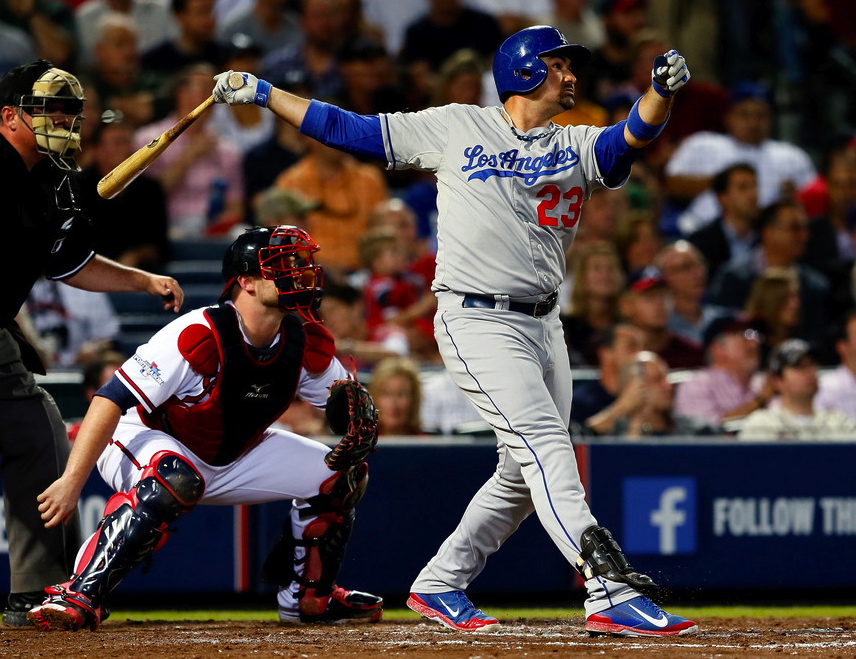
[[511, 185], [186, 421]]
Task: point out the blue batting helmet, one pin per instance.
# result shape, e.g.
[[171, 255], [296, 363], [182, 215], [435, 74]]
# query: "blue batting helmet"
[[517, 67]]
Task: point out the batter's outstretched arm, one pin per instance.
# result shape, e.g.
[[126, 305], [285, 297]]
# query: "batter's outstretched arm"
[[619, 145], [330, 125]]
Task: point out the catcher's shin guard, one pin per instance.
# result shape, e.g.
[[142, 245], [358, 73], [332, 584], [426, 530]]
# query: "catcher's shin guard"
[[324, 540], [600, 556], [135, 525]]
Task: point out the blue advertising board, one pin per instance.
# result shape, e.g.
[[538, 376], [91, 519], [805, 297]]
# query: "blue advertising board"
[[731, 515], [713, 514]]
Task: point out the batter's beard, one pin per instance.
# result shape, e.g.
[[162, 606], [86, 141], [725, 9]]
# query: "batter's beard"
[[567, 102]]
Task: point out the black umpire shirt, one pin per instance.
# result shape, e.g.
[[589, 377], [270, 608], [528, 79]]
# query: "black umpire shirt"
[[44, 232]]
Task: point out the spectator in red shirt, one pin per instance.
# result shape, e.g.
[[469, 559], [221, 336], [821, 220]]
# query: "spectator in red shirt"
[[397, 301], [646, 305]]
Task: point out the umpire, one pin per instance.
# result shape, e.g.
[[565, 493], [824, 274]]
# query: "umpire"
[[45, 234]]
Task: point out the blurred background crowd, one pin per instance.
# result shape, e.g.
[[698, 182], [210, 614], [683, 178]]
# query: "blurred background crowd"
[[713, 293]]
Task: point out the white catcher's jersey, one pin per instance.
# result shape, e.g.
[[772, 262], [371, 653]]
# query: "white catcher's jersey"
[[157, 371], [508, 208]]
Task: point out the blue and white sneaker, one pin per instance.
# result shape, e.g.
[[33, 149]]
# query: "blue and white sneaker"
[[453, 610], [638, 617]]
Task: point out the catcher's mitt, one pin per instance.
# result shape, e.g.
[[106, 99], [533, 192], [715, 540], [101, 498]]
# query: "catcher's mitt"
[[351, 413]]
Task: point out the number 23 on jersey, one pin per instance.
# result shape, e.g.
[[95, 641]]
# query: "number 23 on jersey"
[[557, 206]]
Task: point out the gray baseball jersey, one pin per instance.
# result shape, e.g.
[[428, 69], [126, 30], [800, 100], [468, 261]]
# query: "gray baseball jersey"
[[509, 207]]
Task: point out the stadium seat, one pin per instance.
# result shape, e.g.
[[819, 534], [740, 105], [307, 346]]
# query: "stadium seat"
[[196, 271], [211, 249]]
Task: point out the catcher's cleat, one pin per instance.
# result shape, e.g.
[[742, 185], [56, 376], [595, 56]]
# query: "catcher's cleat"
[[453, 610], [18, 604], [638, 617], [64, 610], [339, 606]]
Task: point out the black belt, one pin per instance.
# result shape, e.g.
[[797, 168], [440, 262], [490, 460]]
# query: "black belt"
[[536, 309]]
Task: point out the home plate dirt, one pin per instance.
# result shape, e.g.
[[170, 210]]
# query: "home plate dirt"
[[743, 638]]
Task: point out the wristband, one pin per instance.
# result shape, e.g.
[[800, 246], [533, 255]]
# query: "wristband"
[[642, 131], [262, 93], [662, 91]]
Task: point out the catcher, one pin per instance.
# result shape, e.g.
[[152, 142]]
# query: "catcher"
[[186, 421]]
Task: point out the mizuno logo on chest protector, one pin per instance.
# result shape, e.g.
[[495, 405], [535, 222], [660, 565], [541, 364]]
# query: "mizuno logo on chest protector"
[[256, 391], [511, 163]]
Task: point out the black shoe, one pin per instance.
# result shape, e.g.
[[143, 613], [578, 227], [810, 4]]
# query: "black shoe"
[[18, 604]]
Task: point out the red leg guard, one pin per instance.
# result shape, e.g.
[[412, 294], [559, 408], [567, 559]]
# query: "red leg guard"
[[325, 539]]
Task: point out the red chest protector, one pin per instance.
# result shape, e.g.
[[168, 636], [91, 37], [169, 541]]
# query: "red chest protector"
[[247, 394]]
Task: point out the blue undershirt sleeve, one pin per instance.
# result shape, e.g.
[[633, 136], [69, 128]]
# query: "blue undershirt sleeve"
[[614, 155], [117, 392], [354, 133]]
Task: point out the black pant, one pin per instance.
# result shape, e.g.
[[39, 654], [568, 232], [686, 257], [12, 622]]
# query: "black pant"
[[34, 447]]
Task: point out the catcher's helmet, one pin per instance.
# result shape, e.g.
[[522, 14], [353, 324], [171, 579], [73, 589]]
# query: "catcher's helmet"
[[283, 254], [47, 93], [517, 67]]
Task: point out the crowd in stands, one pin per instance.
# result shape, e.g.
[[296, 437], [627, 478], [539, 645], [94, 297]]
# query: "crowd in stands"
[[715, 292]]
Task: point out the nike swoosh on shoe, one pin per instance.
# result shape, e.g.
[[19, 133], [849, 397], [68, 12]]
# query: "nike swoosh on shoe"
[[657, 622]]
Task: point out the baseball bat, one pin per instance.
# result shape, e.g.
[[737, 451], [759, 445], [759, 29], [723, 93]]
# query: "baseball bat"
[[126, 171]]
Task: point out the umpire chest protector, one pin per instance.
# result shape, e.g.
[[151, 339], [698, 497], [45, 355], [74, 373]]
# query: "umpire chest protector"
[[247, 394]]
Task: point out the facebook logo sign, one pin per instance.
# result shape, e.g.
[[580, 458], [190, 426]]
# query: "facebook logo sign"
[[659, 515]]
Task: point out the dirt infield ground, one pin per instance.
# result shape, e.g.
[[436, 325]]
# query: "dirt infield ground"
[[739, 638]]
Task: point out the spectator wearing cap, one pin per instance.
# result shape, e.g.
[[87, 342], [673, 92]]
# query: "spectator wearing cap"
[[793, 374], [460, 79], [730, 387], [838, 387], [731, 236], [782, 167], [275, 206], [194, 42], [268, 23], [645, 304], [685, 271], [783, 231]]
